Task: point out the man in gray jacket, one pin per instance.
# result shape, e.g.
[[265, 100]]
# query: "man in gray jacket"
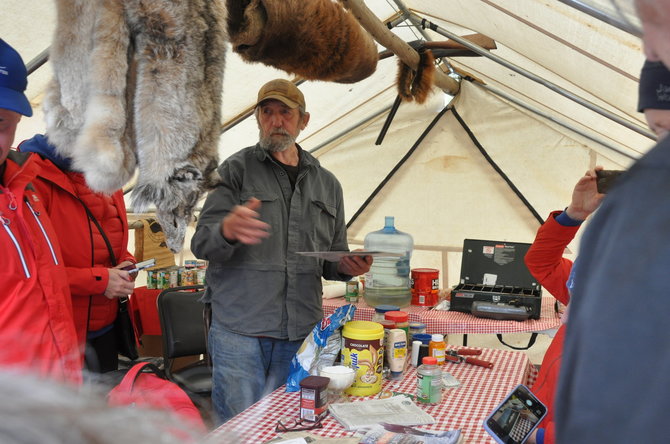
[[274, 200]]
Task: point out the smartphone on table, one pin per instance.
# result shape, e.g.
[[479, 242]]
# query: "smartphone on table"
[[513, 421]]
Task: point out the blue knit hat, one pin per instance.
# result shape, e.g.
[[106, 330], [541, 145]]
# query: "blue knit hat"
[[654, 87], [13, 81]]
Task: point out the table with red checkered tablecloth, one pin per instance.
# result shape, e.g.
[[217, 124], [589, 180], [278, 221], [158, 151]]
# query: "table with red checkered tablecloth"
[[454, 322], [464, 407]]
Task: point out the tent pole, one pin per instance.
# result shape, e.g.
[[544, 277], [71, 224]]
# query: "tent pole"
[[617, 22], [547, 116], [481, 51], [495, 166], [349, 129], [407, 15], [38, 61], [402, 161]]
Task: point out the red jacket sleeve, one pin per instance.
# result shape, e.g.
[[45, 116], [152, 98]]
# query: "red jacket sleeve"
[[545, 259]]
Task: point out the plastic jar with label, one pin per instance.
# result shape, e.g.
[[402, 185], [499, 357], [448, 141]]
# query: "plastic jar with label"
[[401, 320], [416, 328], [437, 348], [381, 310], [363, 350], [429, 382]]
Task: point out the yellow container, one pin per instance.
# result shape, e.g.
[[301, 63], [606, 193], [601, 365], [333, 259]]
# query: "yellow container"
[[363, 350]]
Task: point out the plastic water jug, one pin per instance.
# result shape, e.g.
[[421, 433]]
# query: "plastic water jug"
[[388, 282]]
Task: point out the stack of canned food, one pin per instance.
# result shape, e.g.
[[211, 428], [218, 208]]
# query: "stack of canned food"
[[191, 273]]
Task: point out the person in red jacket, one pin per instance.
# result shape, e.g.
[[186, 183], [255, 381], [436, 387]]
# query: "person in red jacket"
[[36, 323], [546, 263], [93, 271]]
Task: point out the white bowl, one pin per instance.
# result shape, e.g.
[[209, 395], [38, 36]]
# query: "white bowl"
[[341, 377]]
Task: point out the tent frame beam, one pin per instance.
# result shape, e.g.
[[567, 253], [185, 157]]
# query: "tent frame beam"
[[557, 89], [410, 57]]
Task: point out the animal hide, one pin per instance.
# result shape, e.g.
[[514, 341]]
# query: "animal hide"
[[416, 85], [137, 83], [316, 39]]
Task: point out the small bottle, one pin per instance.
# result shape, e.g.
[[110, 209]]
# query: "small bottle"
[[437, 348], [388, 326], [429, 381], [396, 346], [351, 292]]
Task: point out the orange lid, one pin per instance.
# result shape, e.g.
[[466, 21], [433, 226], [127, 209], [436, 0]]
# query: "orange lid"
[[396, 316], [388, 324], [429, 360]]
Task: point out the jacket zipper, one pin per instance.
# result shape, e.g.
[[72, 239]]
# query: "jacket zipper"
[[5, 223], [46, 236]]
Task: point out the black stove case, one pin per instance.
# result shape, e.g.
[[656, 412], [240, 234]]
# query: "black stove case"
[[494, 272]]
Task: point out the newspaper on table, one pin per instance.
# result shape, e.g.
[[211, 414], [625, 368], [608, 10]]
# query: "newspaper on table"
[[396, 434], [394, 410]]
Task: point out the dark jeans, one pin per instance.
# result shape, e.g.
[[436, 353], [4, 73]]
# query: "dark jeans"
[[246, 368], [101, 353]]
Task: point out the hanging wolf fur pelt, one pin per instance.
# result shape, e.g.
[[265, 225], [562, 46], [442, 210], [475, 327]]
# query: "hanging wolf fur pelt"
[[316, 39], [138, 83]]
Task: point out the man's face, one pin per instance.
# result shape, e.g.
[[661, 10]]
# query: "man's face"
[[9, 120], [658, 121], [279, 125], [655, 18]]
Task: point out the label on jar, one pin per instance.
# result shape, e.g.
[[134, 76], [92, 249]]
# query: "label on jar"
[[428, 388]]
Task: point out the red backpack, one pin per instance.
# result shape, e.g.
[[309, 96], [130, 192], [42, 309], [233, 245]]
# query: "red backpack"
[[145, 386]]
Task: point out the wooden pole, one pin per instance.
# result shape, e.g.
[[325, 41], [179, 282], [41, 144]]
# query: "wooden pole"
[[389, 40]]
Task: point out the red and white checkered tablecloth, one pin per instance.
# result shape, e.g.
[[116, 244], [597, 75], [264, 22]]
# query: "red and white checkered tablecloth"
[[364, 312], [463, 408], [454, 322]]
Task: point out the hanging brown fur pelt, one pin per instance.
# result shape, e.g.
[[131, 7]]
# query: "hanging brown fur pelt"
[[137, 83], [416, 85], [315, 39]]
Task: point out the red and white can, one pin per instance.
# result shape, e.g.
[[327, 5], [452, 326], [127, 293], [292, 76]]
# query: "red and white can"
[[425, 286]]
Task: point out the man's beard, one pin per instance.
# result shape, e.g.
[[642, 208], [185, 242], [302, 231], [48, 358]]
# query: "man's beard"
[[276, 144]]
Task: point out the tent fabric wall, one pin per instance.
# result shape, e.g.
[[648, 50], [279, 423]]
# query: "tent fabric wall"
[[446, 191]]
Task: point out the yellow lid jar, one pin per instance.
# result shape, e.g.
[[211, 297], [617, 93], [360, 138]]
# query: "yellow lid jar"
[[363, 350]]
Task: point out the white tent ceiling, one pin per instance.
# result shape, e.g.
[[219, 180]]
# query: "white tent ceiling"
[[446, 191]]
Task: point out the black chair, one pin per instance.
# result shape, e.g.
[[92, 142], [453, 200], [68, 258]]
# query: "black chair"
[[182, 319]]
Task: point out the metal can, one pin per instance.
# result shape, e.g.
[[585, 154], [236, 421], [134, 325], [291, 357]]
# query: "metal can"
[[173, 277], [425, 286], [190, 263], [351, 293], [200, 276], [188, 277], [160, 279], [151, 279]]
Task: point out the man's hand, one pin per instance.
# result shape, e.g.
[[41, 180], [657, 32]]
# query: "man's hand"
[[119, 284], [585, 196], [243, 224], [354, 265]]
